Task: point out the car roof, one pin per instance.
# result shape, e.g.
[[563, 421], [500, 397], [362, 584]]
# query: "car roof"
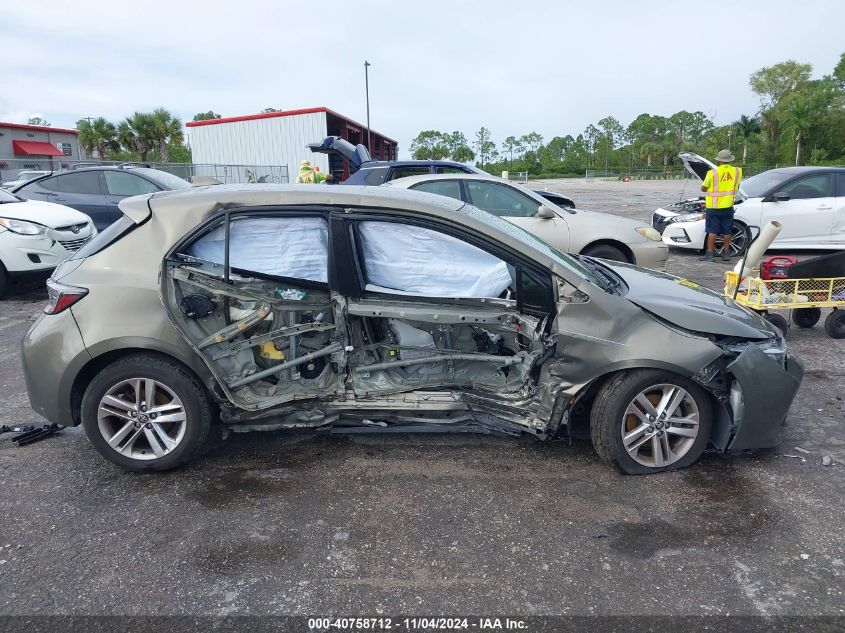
[[407, 181], [804, 169], [412, 163]]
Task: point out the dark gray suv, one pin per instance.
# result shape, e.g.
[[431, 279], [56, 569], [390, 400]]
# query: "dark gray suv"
[[96, 191]]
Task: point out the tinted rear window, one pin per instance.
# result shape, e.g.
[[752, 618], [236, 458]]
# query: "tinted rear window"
[[108, 236]]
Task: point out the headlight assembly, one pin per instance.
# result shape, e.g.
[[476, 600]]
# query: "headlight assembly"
[[688, 217], [649, 233], [21, 227]]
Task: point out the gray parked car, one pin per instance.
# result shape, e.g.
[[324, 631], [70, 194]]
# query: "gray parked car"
[[363, 309], [96, 191]]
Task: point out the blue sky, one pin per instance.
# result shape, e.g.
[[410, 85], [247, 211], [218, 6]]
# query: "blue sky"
[[550, 67]]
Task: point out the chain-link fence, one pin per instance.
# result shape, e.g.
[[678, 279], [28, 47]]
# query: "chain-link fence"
[[658, 173], [16, 168]]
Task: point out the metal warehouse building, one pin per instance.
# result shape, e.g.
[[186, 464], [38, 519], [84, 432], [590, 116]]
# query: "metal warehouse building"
[[280, 138]]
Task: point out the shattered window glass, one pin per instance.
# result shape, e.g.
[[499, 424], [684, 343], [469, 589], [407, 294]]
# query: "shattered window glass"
[[284, 247]]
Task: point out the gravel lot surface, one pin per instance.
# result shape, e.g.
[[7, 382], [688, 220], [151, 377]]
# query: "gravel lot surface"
[[290, 523]]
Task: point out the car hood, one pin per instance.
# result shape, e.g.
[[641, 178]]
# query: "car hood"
[[581, 219], [357, 155], [46, 213], [689, 305], [697, 165]]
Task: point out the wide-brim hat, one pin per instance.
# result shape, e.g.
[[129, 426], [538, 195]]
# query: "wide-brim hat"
[[725, 156]]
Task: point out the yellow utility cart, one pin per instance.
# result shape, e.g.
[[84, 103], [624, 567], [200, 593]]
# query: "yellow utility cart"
[[804, 298]]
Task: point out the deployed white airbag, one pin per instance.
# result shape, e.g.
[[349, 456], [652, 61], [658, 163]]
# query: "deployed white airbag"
[[285, 247], [412, 259]]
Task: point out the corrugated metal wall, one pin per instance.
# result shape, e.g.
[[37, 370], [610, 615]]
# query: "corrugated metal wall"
[[271, 141]]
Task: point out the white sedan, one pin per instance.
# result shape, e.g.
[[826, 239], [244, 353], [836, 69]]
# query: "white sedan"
[[36, 236], [809, 203]]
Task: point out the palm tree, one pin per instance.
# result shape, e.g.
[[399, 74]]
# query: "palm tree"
[[799, 119], [747, 126], [166, 129], [97, 135], [136, 133]]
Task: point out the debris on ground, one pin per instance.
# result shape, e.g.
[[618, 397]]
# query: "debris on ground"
[[801, 450], [36, 434], [794, 457], [827, 460]]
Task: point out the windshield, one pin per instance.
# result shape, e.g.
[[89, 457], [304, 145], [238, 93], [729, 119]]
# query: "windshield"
[[165, 179], [566, 261], [6, 196], [757, 186]]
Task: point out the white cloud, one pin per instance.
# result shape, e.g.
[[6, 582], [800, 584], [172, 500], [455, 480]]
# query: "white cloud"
[[550, 67]]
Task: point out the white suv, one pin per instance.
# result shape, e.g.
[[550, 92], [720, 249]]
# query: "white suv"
[[36, 236]]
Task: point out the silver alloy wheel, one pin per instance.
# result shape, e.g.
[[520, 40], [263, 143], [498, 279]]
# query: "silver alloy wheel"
[[739, 240], [660, 425], [141, 418]]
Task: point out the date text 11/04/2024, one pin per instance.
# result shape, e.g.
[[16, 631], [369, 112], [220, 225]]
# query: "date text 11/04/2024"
[[416, 624]]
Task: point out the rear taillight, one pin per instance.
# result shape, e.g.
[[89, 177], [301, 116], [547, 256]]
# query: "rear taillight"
[[61, 296]]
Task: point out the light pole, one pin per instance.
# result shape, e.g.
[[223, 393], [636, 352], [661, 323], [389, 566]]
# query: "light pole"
[[367, 90]]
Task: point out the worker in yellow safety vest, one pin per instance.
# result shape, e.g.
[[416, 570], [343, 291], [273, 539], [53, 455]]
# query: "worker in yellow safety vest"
[[720, 187]]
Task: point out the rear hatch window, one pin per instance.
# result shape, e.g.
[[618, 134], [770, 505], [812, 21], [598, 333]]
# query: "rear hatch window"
[[105, 238]]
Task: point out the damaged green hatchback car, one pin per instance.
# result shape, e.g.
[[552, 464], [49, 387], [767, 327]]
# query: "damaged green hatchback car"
[[360, 309]]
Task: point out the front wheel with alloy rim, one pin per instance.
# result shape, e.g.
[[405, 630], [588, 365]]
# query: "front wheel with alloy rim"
[[646, 421], [740, 239], [146, 413]]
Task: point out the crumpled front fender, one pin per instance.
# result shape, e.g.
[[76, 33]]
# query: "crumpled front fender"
[[761, 398]]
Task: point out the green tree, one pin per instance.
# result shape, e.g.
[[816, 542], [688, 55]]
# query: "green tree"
[[484, 146], [136, 134], [611, 136], [429, 145], [37, 120], [458, 145], [799, 118], [512, 146], [591, 137], [773, 83], [97, 135], [747, 127], [166, 129], [206, 116], [839, 70]]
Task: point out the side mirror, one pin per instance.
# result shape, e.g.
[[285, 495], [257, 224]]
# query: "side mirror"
[[781, 196], [545, 213]]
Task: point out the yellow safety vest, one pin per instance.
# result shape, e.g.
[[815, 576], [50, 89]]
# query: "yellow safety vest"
[[722, 184]]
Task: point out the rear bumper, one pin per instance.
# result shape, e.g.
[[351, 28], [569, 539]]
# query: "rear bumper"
[[52, 354], [763, 392]]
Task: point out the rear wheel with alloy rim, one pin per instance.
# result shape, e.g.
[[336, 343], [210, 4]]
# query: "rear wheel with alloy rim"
[[647, 421], [740, 239], [146, 413]]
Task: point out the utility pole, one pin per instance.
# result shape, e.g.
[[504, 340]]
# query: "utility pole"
[[367, 90]]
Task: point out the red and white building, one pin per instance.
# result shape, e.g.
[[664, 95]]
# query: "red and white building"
[[281, 138]]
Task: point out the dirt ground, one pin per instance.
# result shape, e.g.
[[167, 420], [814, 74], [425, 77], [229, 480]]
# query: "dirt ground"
[[292, 523]]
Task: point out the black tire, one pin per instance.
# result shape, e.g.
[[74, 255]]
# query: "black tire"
[[778, 321], [609, 415], [606, 251], [175, 377], [4, 281], [806, 317], [834, 324]]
